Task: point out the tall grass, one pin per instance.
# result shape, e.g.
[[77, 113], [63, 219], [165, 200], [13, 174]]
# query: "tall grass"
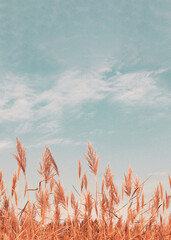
[[88, 215]]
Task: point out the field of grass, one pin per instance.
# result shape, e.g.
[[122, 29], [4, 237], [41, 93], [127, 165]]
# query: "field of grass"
[[97, 215]]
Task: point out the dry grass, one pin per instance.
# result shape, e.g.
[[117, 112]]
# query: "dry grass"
[[89, 216]]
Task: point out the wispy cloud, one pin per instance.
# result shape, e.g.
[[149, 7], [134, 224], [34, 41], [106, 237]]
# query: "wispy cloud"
[[71, 89], [75, 88], [98, 132], [22, 103], [56, 141], [24, 127], [6, 144], [16, 99], [141, 88]]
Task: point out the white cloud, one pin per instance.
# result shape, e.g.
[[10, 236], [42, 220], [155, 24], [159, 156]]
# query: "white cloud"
[[96, 132], [133, 86], [73, 88], [56, 141], [25, 104], [24, 127], [16, 99], [139, 87], [5, 145]]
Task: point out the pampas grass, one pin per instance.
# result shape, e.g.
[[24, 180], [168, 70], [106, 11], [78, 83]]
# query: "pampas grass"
[[82, 215]]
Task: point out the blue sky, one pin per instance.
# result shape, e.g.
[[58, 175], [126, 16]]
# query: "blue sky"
[[79, 71]]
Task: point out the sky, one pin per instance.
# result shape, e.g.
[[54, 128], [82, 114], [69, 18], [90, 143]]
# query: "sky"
[[78, 71]]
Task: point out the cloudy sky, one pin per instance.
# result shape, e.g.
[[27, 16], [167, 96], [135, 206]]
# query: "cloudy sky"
[[78, 71]]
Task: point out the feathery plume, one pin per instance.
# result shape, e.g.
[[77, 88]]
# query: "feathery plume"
[[92, 159], [20, 156]]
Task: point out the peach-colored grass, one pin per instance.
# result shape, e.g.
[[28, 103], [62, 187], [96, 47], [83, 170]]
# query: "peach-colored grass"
[[87, 216]]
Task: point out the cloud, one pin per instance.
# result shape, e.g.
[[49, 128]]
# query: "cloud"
[[96, 132], [141, 88], [71, 89], [21, 102], [6, 144], [56, 141], [16, 99], [24, 127]]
